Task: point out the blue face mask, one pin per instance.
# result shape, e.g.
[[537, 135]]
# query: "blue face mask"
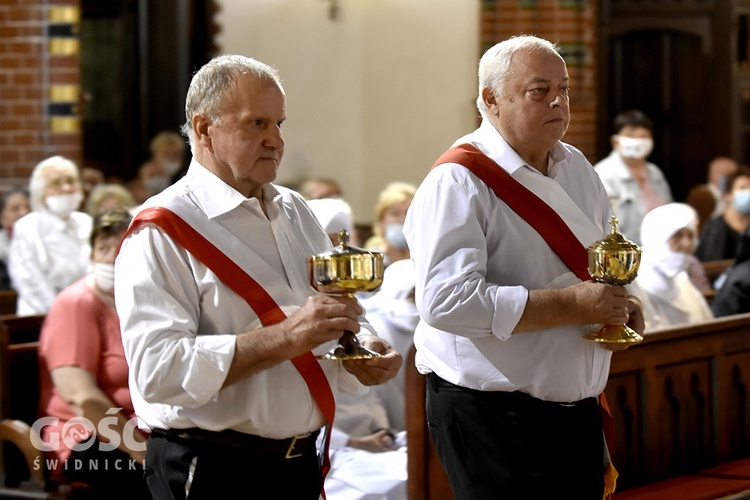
[[741, 201], [394, 234]]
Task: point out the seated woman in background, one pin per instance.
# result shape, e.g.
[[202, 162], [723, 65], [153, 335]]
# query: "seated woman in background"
[[721, 235], [84, 374], [50, 248], [13, 205], [390, 213], [669, 296]]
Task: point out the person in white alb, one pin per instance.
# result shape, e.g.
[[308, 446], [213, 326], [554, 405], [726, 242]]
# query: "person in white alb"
[[229, 406], [512, 384], [50, 247]]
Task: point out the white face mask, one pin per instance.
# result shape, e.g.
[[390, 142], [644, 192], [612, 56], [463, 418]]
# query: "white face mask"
[[171, 167], [157, 183], [394, 234], [63, 205], [104, 277], [671, 263], [630, 147]]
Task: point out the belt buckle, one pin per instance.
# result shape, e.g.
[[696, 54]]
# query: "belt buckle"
[[293, 444]]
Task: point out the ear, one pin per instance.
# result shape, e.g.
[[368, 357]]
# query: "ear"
[[488, 96], [201, 125]]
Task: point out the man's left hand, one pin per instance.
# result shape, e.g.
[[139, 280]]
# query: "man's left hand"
[[636, 321], [379, 370]]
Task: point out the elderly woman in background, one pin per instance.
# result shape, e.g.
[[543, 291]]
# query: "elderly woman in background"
[[84, 374], [50, 248], [669, 296], [390, 213]]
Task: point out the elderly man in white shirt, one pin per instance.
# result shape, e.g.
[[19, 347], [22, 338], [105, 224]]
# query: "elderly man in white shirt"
[[50, 247], [234, 401], [512, 383]]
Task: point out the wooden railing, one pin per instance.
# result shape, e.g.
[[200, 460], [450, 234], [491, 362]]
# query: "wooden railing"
[[679, 400]]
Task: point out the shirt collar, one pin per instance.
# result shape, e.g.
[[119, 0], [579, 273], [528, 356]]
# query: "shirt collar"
[[489, 140], [216, 197]]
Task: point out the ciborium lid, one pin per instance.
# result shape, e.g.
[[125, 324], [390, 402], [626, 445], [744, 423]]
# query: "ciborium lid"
[[615, 259], [615, 242], [346, 269]]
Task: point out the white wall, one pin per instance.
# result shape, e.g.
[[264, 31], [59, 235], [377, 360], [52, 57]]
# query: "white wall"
[[374, 95]]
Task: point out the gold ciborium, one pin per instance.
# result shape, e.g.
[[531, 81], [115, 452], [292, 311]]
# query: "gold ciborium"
[[344, 271], [614, 260]]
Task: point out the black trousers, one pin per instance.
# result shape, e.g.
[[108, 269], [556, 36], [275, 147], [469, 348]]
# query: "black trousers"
[[108, 474], [501, 445], [179, 469]]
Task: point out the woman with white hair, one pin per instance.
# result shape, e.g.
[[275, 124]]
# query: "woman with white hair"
[[669, 296], [50, 247]]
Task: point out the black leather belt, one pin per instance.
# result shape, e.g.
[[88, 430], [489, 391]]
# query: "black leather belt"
[[288, 448]]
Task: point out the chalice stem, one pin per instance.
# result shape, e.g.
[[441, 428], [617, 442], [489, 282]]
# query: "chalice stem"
[[349, 347]]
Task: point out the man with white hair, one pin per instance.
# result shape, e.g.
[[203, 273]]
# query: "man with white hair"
[[219, 323], [497, 232], [50, 247]]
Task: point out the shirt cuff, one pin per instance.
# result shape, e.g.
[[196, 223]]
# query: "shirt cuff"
[[509, 307], [209, 366]]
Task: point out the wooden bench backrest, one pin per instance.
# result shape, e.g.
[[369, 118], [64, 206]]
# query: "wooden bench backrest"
[[426, 477], [19, 367], [679, 400], [8, 300]]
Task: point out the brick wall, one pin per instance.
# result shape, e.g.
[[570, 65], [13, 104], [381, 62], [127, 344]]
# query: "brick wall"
[[572, 24], [39, 85], [40, 72]]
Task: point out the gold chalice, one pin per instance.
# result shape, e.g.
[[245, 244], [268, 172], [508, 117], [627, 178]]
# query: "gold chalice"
[[614, 260], [345, 271]]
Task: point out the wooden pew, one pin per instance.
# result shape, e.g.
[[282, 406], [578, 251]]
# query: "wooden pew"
[[8, 299], [714, 268], [19, 403], [426, 477], [679, 400]]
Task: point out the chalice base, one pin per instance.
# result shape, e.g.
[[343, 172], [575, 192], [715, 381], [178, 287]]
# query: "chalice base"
[[349, 348], [615, 334]]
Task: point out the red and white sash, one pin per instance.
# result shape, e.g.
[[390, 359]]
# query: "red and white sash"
[[256, 297]]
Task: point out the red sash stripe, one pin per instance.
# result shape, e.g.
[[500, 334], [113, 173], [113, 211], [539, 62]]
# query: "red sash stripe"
[[525, 203]]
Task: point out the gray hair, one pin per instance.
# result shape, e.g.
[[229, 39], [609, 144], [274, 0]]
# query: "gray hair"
[[213, 80], [37, 182], [494, 66]]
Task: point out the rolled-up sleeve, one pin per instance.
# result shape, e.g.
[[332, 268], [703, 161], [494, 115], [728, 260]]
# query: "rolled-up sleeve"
[[451, 259]]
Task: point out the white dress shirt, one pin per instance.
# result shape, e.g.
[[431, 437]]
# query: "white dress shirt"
[[47, 254], [475, 261], [179, 321]]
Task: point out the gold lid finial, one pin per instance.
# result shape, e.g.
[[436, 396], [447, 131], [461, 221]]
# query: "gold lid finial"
[[613, 221], [343, 237]]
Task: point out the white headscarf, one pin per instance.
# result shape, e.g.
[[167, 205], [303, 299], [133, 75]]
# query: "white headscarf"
[[669, 297], [660, 265], [333, 214]]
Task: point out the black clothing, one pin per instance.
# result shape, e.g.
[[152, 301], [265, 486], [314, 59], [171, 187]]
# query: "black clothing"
[[717, 241], [511, 445], [733, 295]]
